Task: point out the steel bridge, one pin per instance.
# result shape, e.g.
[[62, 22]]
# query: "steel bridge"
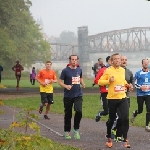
[[135, 39]]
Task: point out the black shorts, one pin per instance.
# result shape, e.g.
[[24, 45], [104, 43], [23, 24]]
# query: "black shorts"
[[18, 76], [46, 98]]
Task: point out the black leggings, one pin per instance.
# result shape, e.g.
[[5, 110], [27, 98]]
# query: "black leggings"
[[68, 104], [123, 107], [105, 104]]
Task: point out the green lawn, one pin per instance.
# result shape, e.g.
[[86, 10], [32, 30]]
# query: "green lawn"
[[25, 83], [91, 105]]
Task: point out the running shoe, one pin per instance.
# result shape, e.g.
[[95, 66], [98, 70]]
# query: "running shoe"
[[133, 117], [46, 117], [98, 117], [147, 128], [113, 134], [109, 143], [125, 143], [41, 108], [76, 134], [118, 139], [67, 135]]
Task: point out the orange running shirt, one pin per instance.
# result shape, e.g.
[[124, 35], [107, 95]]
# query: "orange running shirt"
[[45, 76]]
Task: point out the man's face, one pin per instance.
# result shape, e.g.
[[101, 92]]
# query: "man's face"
[[48, 66], [123, 61], [73, 61], [145, 64], [100, 61], [116, 61], [109, 62]]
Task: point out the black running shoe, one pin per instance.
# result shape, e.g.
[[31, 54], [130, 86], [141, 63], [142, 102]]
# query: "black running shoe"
[[98, 117], [46, 117], [41, 108]]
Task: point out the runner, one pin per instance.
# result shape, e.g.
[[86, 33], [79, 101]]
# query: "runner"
[[142, 83], [70, 80], [46, 77], [18, 69], [103, 91], [114, 77], [32, 76], [116, 129], [1, 69]]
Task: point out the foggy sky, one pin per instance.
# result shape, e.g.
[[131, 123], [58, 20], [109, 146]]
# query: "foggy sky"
[[98, 15]]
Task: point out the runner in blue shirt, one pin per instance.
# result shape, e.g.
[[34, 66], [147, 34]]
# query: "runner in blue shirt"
[[142, 83], [70, 80]]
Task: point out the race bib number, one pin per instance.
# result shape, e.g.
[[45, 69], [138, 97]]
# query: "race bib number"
[[47, 81], [76, 80], [18, 73], [119, 88], [146, 79]]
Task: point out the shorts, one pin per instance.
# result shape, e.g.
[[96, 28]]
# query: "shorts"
[[18, 76], [46, 98]]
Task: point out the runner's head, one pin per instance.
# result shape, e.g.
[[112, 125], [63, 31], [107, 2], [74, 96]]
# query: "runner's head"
[[145, 63], [100, 61], [48, 65], [73, 60], [108, 60], [123, 61], [115, 60]]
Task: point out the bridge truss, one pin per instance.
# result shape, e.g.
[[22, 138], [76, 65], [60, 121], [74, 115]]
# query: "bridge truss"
[[133, 39]]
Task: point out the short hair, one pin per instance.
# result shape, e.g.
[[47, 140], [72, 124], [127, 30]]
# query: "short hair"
[[33, 68], [48, 62], [114, 55], [100, 59], [73, 55], [107, 58], [143, 60]]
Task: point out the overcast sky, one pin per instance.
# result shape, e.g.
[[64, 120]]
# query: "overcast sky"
[[98, 15]]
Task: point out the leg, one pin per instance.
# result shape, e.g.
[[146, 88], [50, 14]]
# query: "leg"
[[68, 103], [44, 101], [0, 78], [105, 104], [140, 102], [49, 97], [124, 111], [147, 103], [78, 112], [33, 81], [18, 80], [112, 106]]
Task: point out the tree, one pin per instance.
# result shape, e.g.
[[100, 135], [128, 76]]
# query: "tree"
[[20, 36], [67, 37]]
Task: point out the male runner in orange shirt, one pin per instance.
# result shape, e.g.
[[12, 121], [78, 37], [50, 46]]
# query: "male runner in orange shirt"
[[46, 77]]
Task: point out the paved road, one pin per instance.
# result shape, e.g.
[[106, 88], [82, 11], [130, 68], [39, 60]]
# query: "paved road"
[[92, 133]]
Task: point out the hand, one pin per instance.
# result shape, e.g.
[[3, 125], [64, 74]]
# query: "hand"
[[83, 85], [43, 83], [68, 87], [130, 86], [144, 87], [111, 79]]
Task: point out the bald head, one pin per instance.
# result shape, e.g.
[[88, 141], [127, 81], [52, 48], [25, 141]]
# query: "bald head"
[[145, 63], [123, 61]]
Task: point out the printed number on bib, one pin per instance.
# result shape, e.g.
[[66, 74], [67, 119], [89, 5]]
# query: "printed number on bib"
[[18, 73], [146, 79], [119, 88], [47, 81], [76, 80]]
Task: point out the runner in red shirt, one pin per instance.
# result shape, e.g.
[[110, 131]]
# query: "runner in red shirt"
[[17, 68]]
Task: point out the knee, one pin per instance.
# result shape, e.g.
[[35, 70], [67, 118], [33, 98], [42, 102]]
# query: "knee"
[[79, 113]]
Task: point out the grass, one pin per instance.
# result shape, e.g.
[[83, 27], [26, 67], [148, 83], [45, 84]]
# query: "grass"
[[91, 105], [25, 83]]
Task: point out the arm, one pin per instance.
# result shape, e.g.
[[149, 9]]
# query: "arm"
[[21, 68], [104, 80], [81, 81], [98, 76], [38, 78], [54, 80], [13, 68]]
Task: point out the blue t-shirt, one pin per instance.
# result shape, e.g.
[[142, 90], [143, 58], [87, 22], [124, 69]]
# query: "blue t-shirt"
[[72, 77], [142, 78]]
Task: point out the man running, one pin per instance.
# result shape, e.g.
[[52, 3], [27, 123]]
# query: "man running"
[[114, 77], [142, 84], [1, 69], [103, 91], [18, 69], [97, 66], [70, 79], [130, 80], [46, 77]]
